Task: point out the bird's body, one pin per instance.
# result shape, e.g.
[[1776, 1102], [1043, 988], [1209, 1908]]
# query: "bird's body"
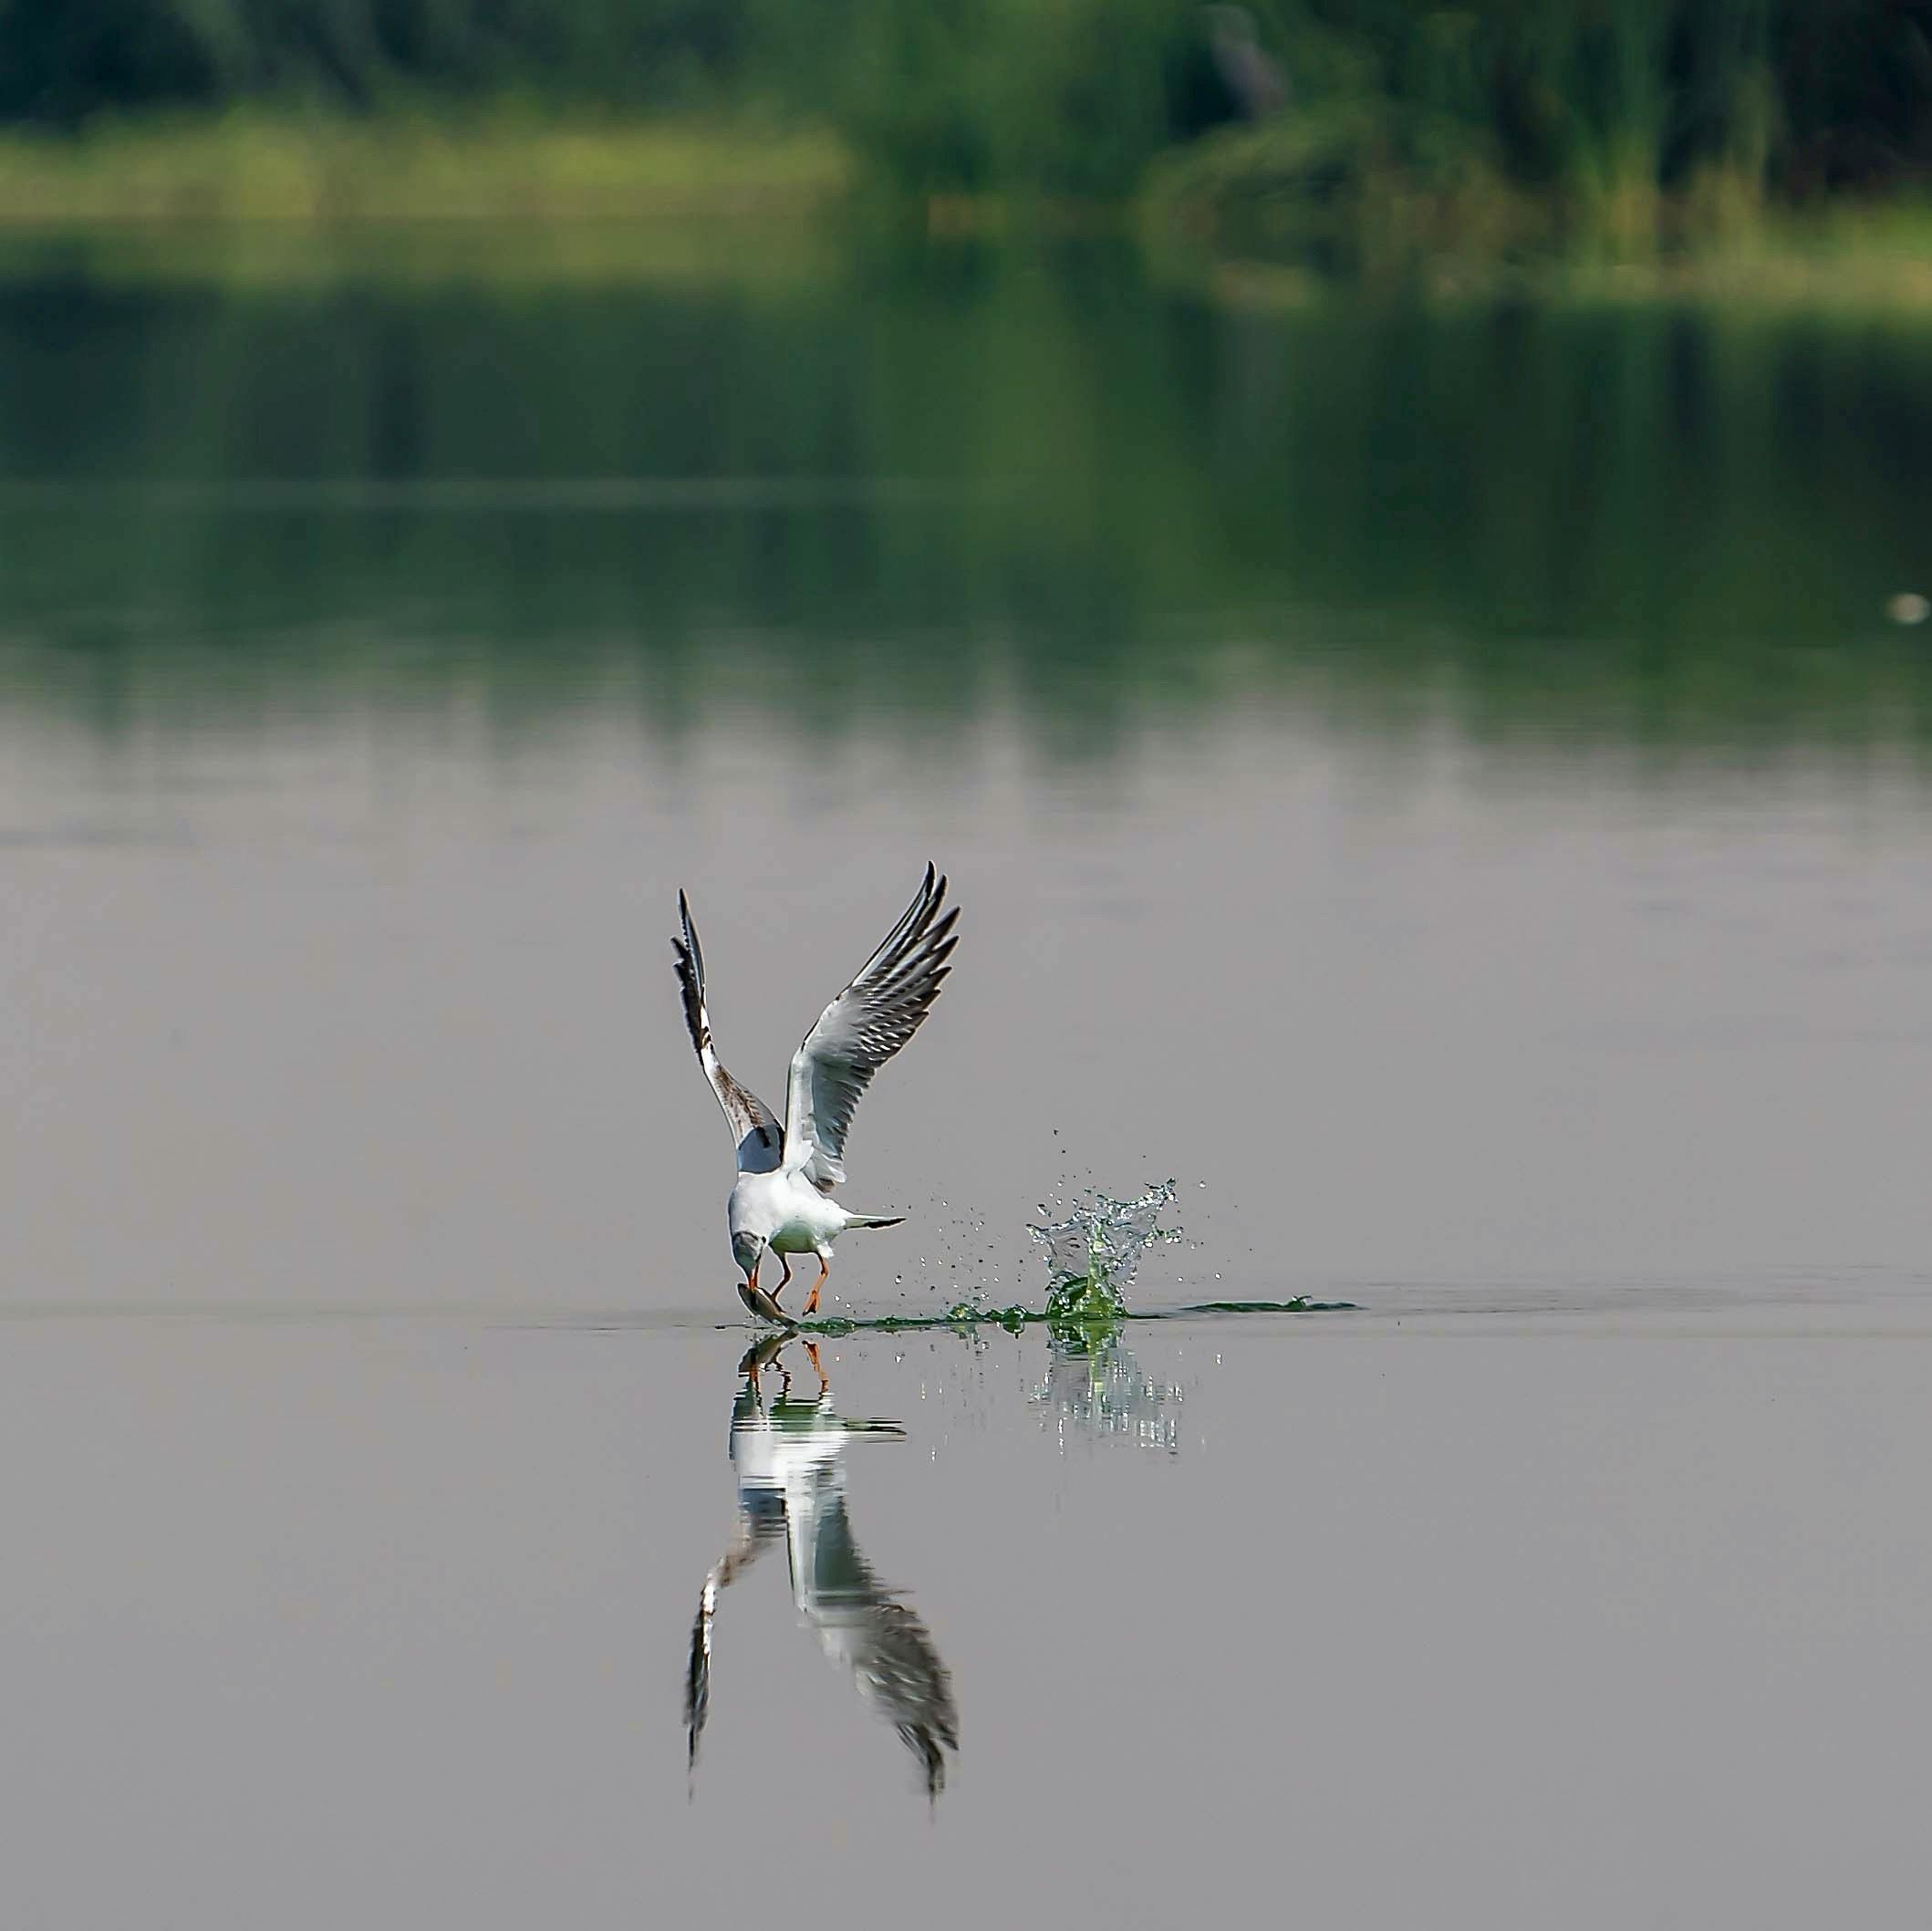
[[790, 1215], [785, 1211], [782, 1199]]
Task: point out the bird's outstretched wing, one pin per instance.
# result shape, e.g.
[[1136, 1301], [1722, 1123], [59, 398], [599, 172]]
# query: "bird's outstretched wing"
[[760, 1141], [861, 1030], [889, 1651], [900, 1672], [749, 1543]]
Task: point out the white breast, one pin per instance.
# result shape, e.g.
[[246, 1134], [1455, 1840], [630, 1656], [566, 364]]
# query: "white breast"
[[785, 1210]]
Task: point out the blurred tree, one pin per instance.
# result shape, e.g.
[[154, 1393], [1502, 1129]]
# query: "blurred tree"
[[1610, 99]]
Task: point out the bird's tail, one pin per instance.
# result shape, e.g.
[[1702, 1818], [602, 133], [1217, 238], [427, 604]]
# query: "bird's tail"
[[874, 1219]]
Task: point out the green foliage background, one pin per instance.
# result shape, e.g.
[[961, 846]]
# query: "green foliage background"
[[1595, 97]]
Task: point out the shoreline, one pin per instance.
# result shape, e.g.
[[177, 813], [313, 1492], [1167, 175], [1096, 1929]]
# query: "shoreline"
[[306, 173], [250, 196]]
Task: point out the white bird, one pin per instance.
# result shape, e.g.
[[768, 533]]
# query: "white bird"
[[782, 1199]]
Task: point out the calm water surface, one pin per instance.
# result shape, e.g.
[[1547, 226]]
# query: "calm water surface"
[[1436, 780]]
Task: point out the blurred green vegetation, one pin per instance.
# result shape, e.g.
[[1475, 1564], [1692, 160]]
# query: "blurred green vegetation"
[[1616, 124], [253, 165], [936, 484], [1615, 120]]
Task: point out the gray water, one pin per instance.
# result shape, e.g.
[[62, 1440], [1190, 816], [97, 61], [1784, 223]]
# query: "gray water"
[[1438, 783]]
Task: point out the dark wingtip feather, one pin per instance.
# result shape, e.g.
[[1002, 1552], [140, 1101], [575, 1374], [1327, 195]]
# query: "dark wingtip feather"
[[692, 946], [689, 994]]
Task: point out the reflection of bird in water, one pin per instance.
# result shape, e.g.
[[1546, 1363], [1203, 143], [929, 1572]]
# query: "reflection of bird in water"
[[791, 1484], [782, 1199]]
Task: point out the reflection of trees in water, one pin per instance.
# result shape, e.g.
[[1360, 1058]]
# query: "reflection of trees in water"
[[1068, 495], [788, 1455]]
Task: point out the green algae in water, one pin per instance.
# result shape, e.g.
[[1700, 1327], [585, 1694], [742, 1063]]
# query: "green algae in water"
[[965, 1317], [1092, 1257]]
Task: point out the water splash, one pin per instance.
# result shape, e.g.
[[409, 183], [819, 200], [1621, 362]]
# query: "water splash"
[[1092, 1257], [1094, 1253], [1093, 1386]]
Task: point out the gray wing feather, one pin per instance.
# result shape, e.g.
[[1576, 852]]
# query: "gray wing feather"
[[748, 1544], [889, 1650], [755, 1126], [862, 1029]]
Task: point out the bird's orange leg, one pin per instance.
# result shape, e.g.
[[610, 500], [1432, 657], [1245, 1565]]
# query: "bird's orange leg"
[[811, 1348], [783, 1278], [824, 1269]]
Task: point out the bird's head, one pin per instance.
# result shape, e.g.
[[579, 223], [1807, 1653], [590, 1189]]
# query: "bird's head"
[[747, 1249]]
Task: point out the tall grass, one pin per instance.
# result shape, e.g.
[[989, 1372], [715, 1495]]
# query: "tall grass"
[[1612, 126]]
